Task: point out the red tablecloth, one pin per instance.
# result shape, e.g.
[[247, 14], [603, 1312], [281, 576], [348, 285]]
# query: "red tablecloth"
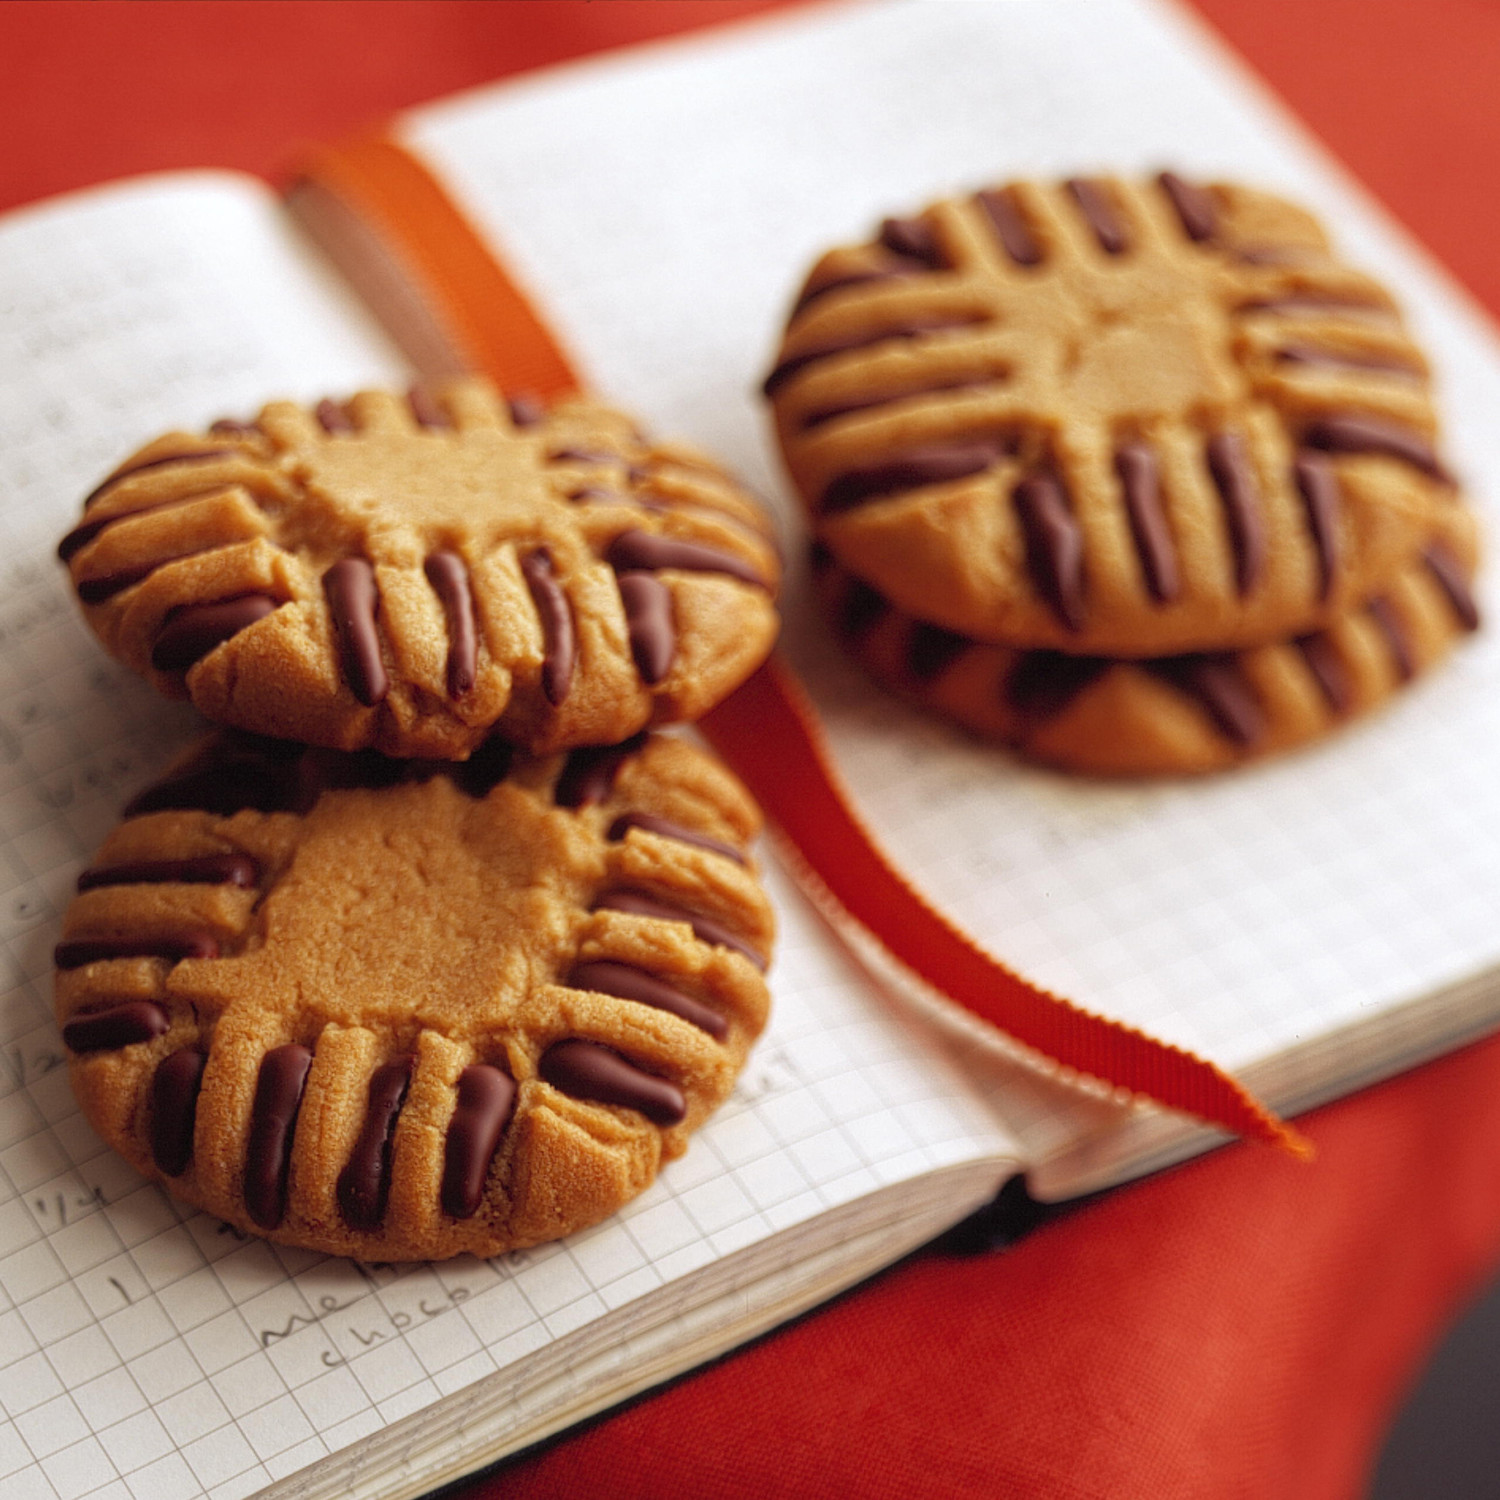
[[1241, 1327]]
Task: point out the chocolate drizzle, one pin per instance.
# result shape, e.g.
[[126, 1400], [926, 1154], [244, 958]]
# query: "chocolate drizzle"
[[486, 1102], [204, 869], [814, 287], [662, 828], [77, 954], [1140, 482], [1013, 232], [450, 582], [588, 775], [1339, 359], [625, 982], [109, 1027], [1229, 465], [525, 410], [1041, 684], [936, 463], [1054, 545], [638, 904], [1444, 567], [104, 586], [1391, 627], [1195, 207], [1328, 670], [426, 409], [643, 551], [273, 1123], [174, 1109], [1220, 688], [908, 328], [587, 1070], [190, 632], [332, 417], [913, 239], [648, 619], [559, 647], [364, 1186], [1360, 432], [1319, 487], [353, 602], [1099, 211]]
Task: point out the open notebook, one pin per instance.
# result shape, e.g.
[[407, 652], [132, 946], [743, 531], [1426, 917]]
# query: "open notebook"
[[1310, 925]]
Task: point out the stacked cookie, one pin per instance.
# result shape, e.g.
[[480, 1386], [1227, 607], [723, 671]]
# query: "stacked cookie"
[[434, 946], [1136, 477]]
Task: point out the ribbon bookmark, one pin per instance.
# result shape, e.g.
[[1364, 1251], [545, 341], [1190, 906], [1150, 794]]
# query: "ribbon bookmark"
[[768, 731]]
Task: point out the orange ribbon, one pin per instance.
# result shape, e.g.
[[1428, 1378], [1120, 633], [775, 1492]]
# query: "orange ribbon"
[[768, 730]]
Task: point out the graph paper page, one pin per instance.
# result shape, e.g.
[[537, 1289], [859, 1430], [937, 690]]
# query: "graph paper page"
[[147, 1353], [1238, 915]]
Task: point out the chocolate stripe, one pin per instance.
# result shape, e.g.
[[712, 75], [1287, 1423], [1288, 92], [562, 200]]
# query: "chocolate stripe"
[[825, 414], [1359, 432], [1012, 230], [930, 650], [204, 869], [75, 955], [648, 823], [915, 239], [188, 634], [812, 288], [233, 427], [586, 1070], [937, 463], [273, 1124], [908, 328], [643, 551], [104, 586], [450, 582], [1041, 684], [1328, 670], [1140, 481], [1195, 207], [364, 1186], [426, 409], [116, 1026], [648, 618], [1054, 545], [1098, 209], [626, 982], [1444, 566], [1390, 625], [525, 410], [1319, 487], [353, 602], [1338, 359], [1234, 479], [638, 904], [486, 1102], [1217, 683], [203, 455], [174, 1109], [588, 775], [1315, 304], [860, 609], [559, 647], [332, 417], [80, 536]]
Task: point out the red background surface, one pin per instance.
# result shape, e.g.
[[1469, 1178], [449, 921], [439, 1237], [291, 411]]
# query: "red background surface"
[[1241, 1327]]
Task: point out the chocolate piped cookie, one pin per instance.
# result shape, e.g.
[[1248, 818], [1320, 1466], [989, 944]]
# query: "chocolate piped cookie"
[[1113, 418], [412, 573], [1204, 711], [402, 1009]]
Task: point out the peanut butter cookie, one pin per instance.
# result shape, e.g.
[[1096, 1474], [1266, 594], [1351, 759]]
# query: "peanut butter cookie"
[[403, 1009], [411, 573]]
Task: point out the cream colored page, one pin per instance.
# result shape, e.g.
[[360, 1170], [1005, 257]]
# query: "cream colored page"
[[146, 1352], [662, 211]]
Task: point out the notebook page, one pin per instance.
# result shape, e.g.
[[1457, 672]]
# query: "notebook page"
[[1239, 916], [149, 1352]]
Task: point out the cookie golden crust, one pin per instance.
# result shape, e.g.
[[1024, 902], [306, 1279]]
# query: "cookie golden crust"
[[411, 573], [396, 1010], [1176, 715], [1110, 417]]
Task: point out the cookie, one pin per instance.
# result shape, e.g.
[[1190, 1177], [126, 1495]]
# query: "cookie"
[[1206, 711], [1112, 418], [411, 573], [401, 1010]]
